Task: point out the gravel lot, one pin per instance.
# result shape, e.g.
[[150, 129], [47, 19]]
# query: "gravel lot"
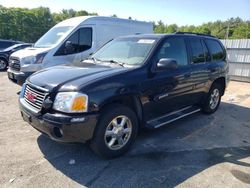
[[198, 151]]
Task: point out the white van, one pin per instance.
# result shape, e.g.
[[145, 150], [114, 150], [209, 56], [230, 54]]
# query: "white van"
[[71, 41]]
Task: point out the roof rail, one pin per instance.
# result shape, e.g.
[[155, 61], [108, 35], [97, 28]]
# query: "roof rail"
[[201, 34]]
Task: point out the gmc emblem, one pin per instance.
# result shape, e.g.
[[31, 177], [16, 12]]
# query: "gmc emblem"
[[31, 97]]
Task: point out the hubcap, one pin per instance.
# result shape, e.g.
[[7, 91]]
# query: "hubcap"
[[118, 132], [214, 98], [2, 64]]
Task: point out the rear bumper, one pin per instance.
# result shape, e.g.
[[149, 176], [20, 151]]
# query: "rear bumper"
[[227, 80], [18, 77], [61, 127]]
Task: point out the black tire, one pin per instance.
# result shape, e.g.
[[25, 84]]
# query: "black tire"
[[207, 108], [4, 64], [99, 144]]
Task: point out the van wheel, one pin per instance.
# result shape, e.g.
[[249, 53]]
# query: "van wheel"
[[213, 99], [3, 64], [116, 130]]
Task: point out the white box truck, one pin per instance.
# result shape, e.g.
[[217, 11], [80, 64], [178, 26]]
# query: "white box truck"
[[71, 41]]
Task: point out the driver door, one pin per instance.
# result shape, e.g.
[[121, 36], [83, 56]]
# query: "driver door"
[[170, 89], [76, 48]]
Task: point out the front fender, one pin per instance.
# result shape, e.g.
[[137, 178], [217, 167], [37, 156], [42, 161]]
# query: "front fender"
[[100, 100]]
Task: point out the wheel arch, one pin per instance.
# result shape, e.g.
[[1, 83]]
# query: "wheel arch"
[[131, 101], [222, 82], [4, 58]]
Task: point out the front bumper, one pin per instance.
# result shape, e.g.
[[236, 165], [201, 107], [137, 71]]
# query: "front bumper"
[[61, 127], [18, 77]]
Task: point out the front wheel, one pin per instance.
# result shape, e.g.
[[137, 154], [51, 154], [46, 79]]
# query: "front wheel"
[[213, 99], [115, 132], [3, 64]]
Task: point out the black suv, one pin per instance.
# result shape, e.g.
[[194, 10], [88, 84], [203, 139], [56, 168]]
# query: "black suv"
[[5, 54], [130, 83], [7, 43]]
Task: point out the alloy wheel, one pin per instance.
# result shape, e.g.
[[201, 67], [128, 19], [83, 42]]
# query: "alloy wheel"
[[2, 64], [118, 132], [214, 98]]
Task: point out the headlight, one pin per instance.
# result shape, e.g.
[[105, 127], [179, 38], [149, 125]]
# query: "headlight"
[[29, 60], [34, 59], [71, 102]]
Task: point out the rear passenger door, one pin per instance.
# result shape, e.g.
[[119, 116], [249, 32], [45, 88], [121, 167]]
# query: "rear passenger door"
[[200, 71]]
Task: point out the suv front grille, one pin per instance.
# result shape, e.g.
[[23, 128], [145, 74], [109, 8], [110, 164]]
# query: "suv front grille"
[[14, 63], [34, 97]]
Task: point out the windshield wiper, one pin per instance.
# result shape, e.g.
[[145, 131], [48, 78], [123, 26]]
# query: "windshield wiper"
[[115, 62], [108, 61], [94, 59]]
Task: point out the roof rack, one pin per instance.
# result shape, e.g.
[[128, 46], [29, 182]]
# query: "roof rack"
[[201, 34]]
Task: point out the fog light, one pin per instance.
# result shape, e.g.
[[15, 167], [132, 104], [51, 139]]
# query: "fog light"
[[58, 132]]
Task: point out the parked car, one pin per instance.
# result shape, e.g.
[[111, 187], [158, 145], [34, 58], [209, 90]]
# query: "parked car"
[[130, 83], [7, 43], [71, 41], [5, 54]]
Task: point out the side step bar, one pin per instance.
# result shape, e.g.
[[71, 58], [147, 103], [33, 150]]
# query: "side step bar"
[[173, 116]]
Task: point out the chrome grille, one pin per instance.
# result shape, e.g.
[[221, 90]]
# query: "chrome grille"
[[14, 63], [34, 97]]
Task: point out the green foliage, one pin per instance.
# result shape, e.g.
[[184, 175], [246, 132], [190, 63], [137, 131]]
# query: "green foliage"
[[159, 27], [30, 24], [234, 28]]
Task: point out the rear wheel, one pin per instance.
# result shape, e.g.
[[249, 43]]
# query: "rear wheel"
[[213, 99], [3, 64], [115, 131]]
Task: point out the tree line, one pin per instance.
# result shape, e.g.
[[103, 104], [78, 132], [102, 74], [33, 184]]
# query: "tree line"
[[233, 28], [30, 24]]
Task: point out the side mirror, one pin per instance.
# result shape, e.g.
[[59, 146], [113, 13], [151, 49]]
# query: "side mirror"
[[167, 63], [69, 48]]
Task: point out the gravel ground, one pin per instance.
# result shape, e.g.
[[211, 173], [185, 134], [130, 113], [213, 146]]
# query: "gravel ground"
[[198, 151]]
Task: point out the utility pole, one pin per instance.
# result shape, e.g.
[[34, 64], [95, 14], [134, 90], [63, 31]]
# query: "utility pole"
[[227, 31]]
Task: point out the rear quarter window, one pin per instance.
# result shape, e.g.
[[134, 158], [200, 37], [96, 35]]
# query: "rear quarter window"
[[217, 52], [5, 44]]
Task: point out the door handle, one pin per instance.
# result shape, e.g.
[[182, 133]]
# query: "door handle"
[[187, 75], [213, 70]]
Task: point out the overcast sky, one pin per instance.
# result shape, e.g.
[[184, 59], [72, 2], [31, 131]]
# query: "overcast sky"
[[181, 12]]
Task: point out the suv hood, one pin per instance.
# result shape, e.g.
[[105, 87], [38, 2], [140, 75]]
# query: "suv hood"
[[28, 52], [70, 78]]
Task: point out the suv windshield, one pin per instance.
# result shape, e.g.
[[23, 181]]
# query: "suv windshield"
[[52, 37], [129, 51]]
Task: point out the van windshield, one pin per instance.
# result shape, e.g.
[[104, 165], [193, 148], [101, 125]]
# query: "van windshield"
[[52, 37], [129, 51]]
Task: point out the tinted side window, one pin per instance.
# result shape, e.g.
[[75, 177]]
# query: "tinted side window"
[[215, 49], [174, 48], [80, 40], [5, 44], [74, 41], [85, 40], [197, 50], [206, 52]]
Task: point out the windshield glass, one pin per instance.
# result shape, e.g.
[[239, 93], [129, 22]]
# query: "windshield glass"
[[129, 51], [52, 37]]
